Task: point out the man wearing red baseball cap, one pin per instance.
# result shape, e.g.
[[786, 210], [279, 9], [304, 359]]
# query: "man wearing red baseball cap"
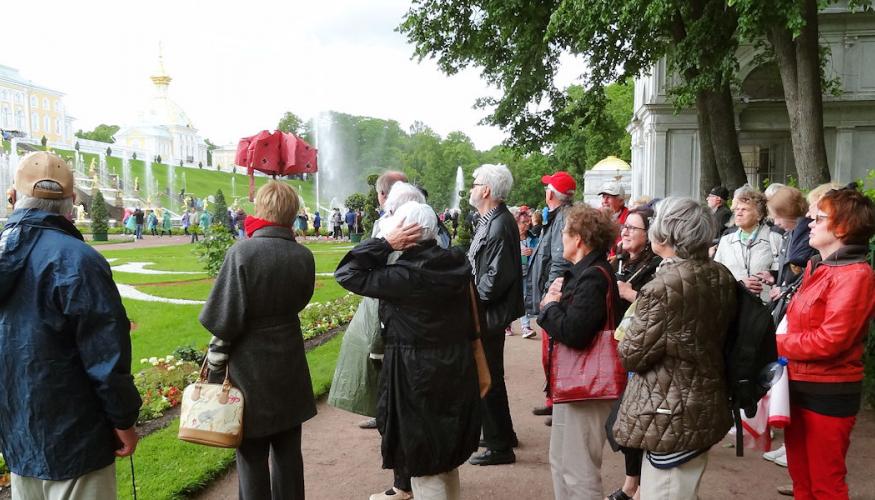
[[547, 263]]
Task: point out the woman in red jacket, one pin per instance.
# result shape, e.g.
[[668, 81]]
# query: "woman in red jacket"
[[827, 321]]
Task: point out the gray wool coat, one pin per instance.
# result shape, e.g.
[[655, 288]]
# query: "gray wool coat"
[[264, 283]]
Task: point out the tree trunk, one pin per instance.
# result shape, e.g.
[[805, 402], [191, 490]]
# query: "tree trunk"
[[709, 176], [799, 64], [724, 139]]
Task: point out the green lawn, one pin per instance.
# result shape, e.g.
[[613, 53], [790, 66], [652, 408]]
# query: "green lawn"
[[160, 328]]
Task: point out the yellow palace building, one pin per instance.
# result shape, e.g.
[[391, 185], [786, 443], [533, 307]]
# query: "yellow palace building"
[[31, 109]]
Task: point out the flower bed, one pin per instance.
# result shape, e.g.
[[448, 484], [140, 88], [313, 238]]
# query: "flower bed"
[[318, 318], [161, 384]]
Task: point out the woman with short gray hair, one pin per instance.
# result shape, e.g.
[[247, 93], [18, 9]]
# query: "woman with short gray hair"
[[675, 406], [753, 248]]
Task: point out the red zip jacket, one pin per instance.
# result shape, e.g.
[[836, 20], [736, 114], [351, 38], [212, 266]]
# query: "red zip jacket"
[[828, 319]]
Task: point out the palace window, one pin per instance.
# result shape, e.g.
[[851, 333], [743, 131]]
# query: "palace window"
[[47, 124], [4, 116], [4, 95], [34, 102], [19, 119], [57, 126], [46, 103], [34, 121]]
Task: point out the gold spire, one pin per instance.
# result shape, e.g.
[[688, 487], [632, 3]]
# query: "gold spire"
[[162, 78]]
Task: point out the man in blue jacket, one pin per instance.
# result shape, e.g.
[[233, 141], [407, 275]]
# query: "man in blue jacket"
[[68, 404]]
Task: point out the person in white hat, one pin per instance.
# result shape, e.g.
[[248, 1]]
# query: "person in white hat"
[[614, 200]]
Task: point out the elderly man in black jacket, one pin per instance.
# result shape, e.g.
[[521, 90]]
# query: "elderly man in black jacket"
[[495, 258]]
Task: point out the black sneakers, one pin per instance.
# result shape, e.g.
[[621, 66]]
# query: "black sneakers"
[[492, 457]]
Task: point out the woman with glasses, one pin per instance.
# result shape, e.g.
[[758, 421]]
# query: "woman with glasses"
[[754, 246], [635, 266], [826, 324]]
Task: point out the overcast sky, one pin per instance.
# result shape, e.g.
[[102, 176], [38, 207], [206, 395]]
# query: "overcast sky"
[[237, 66]]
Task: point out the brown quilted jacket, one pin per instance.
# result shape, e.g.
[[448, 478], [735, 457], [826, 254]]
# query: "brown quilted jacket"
[[677, 399]]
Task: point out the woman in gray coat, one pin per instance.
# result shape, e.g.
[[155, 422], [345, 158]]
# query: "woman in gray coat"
[[252, 312]]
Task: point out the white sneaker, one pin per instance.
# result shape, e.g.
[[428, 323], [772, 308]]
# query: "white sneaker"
[[529, 333], [392, 493], [772, 456], [782, 460]]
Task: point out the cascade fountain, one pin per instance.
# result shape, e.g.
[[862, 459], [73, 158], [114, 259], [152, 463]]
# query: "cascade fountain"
[[233, 187], [171, 187], [147, 173], [126, 177], [460, 185], [101, 170], [78, 167]]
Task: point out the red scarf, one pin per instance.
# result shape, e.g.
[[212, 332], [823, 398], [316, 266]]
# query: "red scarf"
[[253, 224]]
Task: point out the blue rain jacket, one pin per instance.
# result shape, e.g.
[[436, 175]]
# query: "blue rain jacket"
[[65, 351]]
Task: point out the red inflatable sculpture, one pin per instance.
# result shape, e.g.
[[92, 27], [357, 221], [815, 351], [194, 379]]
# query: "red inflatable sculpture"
[[277, 153]]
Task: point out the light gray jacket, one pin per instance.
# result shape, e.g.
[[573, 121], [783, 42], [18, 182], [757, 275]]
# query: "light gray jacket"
[[546, 262]]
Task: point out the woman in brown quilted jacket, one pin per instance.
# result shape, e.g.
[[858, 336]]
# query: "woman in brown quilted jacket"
[[675, 406]]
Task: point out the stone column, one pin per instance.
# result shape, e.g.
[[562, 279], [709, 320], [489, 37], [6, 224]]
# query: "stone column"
[[844, 155]]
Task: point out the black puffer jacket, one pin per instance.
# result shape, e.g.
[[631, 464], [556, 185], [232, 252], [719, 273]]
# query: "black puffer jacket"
[[499, 276], [428, 410]]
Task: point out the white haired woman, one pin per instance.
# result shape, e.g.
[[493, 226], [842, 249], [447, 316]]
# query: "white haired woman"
[[428, 410], [754, 246], [253, 308], [676, 406]]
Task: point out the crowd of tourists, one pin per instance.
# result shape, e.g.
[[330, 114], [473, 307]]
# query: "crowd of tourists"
[[632, 305]]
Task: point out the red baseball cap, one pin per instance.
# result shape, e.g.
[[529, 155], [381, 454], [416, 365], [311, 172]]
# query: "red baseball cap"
[[562, 181]]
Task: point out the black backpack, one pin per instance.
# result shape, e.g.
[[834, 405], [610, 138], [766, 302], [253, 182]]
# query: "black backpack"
[[750, 347]]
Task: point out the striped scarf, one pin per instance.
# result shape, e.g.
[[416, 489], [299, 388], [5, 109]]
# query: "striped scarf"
[[479, 238]]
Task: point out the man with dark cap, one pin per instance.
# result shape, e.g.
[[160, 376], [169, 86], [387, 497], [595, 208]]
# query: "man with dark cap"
[[722, 214], [68, 403]]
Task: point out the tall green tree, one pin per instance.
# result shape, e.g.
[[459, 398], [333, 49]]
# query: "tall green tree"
[[291, 123], [101, 133], [788, 30], [517, 45]]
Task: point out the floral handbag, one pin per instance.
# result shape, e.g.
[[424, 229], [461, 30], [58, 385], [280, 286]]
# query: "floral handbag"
[[212, 414]]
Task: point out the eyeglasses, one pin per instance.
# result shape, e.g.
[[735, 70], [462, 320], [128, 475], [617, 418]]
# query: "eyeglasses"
[[477, 184], [820, 218], [627, 227]]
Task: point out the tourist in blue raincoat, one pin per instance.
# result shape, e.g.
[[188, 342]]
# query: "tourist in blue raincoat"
[[68, 403]]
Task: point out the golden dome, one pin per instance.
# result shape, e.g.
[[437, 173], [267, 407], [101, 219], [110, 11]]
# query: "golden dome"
[[611, 163]]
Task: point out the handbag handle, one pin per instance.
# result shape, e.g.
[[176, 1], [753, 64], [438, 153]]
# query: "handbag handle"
[[202, 379], [474, 310], [609, 302]]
